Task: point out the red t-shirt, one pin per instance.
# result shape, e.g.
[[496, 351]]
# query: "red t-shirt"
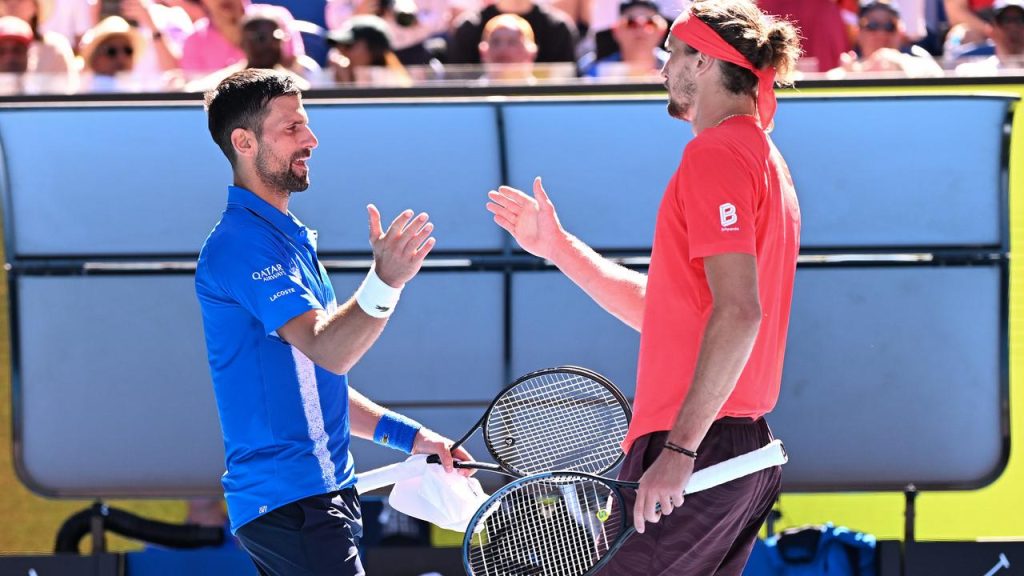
[[731, 193]]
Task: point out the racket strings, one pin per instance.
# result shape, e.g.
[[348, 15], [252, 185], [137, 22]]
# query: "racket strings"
[[560, 421], [547, 527], [589, 439]]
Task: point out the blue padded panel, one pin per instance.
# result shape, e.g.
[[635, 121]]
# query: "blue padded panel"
[[160, 190], [604, 164], [896, 172], [124, 374], [870, 172], [554, 323], [893, 375]]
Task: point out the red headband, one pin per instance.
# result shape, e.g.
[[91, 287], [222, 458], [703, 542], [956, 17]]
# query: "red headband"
[[703, 38]]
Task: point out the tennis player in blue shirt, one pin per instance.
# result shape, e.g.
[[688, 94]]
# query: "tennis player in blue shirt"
[[279, 344]]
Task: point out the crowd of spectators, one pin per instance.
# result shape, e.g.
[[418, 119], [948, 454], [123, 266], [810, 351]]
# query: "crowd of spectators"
[[69, 46]]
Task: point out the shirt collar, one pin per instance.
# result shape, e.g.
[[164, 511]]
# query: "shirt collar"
[[288, 224]]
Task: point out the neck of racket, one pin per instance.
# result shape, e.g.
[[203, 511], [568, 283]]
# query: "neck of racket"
[[465, 464]]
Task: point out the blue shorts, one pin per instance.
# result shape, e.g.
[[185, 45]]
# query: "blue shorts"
[[309, 537]]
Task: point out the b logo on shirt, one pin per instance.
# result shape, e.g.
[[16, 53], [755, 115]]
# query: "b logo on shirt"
[[727, 215]]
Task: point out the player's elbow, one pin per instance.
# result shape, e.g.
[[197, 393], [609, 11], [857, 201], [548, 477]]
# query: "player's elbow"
[[323, 356], [745, 314], [337, 366]]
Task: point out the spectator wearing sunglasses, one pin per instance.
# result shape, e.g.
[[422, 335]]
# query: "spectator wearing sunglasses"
[[1007, 33], [881, 47], [639, 33], [264, 36], [217, 39], [108, 53]]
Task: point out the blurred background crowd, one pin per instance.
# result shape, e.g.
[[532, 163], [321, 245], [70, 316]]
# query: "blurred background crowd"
[[78, 46]]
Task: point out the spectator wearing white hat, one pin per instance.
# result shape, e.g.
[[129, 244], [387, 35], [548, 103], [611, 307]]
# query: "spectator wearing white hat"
[[15, 40], [50, 52], [108, 53]]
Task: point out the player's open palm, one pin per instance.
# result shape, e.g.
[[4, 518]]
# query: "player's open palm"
[[398, 252], [532, 221]]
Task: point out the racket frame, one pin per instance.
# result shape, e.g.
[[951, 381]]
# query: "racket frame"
[[501, 467], [770, 455], [615, 486]]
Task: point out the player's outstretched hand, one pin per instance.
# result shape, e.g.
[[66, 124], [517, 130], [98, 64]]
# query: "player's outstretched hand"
[[398, 253], [531, 220]]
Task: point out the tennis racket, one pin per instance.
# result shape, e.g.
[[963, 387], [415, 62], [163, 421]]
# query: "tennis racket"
[[564, 418], [570, 523]]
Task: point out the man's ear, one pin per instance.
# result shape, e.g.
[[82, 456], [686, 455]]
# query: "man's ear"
[[704, 63], [244, 142]]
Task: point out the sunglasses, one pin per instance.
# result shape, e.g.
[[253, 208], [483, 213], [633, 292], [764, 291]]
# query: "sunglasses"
[[874, 26], [115, 51], [639, 22]]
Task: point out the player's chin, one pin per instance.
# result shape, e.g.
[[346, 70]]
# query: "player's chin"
[[676, 110]]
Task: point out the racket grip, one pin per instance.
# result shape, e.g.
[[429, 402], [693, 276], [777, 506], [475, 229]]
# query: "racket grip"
[[769, 455], [435, 459]]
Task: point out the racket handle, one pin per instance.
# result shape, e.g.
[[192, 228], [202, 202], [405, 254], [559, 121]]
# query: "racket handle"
[[769, 455], [435, 459]]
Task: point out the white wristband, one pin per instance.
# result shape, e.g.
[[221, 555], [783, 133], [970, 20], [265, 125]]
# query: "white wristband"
[[375, 297]]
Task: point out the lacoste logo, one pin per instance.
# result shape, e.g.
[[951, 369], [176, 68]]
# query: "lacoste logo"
[[282, 293], [382, 308]]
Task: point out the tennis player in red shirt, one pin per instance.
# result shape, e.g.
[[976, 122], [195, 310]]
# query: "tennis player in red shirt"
[[713, 310]]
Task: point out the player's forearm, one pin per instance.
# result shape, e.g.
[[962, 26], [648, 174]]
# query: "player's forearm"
[[728, 340], [615, 288], [341, 339], [363, 414]]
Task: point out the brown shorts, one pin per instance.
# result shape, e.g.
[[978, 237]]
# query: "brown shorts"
[[714, 531]]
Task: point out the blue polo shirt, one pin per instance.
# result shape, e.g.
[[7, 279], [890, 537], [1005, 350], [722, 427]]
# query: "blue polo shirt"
[[284, 419]]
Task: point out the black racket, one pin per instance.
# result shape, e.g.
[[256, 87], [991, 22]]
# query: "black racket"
[[564, 418], [570, 524]]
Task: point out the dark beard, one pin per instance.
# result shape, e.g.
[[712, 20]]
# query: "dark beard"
[[675, 109], [285, 180]]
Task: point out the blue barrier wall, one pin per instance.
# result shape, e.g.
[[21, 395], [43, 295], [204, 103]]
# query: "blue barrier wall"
[[898, 332]]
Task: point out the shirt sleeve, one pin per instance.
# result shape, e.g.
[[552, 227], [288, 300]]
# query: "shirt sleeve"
[[718, 196], [264, 279]]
